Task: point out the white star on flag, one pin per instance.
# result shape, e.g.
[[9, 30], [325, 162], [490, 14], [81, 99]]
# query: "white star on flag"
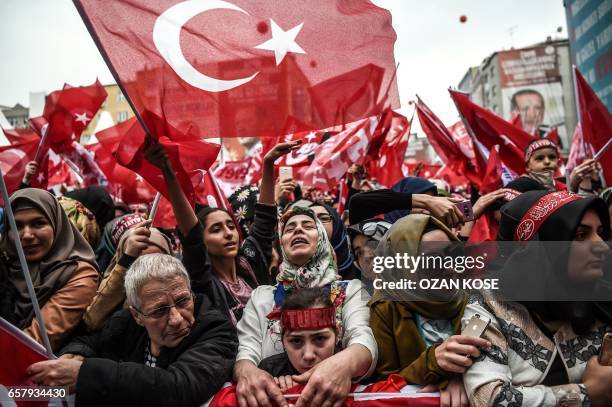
[[282, 42], [41, 177], [82, 118], [311, 136]]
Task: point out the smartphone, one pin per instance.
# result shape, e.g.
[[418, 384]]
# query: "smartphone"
[[466, 209], [285, 173], [476, 326], [605, 353]]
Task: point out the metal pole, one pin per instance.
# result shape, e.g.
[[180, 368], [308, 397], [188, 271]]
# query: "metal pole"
[[24, 267]]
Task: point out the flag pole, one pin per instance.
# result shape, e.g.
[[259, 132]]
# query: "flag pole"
[[154, 206], [24, 268]]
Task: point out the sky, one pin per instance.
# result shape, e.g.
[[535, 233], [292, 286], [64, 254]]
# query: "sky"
[[44, 44]]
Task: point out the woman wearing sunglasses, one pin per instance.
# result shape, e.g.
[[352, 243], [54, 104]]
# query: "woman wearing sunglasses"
[[170, 347]]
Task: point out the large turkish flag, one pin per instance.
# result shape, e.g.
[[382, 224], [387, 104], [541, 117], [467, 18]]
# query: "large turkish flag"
[[240, 68]]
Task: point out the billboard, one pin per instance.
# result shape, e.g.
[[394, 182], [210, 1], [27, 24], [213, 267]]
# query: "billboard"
[[589, 24], [531, 87]]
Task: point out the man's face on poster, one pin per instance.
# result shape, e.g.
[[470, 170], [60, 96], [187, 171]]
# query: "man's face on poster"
[[530, 105]]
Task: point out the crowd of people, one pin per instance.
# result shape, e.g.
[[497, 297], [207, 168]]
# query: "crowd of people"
[[277, 294]]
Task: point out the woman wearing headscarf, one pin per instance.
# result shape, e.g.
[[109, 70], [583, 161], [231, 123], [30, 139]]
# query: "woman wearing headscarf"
[[364, 237], [61, 264], [135, 240], [307, 261], [430, 322], [212, 248], [98, 201], [82, 218], [548, 332], [336, 233], [410, 194]]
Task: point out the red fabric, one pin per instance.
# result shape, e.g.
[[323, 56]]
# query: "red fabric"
[[579, 150], [350, 96], [492, 179], [490, 130], [304, 155], [221, 45], [454, 151], [83, 162], [388, 148], [261, 149], [14, 158], [596, 123], [536, 215], [61, 173], [69, 111], [186, 156], [17, 352], [124, 184], [363, 396], [335, 155], [231, 175]]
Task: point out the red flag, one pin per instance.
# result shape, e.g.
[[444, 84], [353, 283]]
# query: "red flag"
[[17, 351], [260, 150], [303, 156], [385, 162], [239, 68], [490, 130], [123, 183], [186, 156], [350, 96], [69, 111], [61, 173], [453, 150], [231, 175], [16, 156], [596, 123], [335, 155], [83, 162], [579, 151], [492, 179]]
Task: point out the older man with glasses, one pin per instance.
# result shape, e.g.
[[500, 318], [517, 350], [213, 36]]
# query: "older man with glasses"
[[170, 347]]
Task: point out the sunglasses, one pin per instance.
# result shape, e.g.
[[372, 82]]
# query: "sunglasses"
[[163, 312]]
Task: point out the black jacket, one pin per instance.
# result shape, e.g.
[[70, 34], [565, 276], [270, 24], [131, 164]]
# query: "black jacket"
[[253, 259], [113, 372]]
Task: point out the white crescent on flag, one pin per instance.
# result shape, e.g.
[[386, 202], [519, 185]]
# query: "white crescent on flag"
[[167, 39]]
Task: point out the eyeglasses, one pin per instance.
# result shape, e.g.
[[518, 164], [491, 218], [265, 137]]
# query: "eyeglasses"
[[324, 218], [163, 312], [369, 229]]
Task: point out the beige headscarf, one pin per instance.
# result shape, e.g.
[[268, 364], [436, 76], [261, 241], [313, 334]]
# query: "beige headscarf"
[[405, 237], [56, 268]]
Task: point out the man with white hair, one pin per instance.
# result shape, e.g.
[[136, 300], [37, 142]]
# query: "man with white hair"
[[170, 347]]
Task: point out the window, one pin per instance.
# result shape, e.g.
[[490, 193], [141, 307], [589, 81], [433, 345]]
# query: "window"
[[122, 116], [120, 97]]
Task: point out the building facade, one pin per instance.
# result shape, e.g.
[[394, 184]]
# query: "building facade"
[[534, 83], [116, 106], [17, 116]]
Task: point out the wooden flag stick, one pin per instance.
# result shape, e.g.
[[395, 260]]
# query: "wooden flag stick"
[[154, 207], [24, 267]]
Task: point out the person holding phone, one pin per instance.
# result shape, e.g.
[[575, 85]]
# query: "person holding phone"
[[419, 335], [545, 347]]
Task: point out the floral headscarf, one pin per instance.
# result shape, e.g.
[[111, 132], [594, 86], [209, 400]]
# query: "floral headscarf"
[[320, 270], [82, 218], [243, 202]]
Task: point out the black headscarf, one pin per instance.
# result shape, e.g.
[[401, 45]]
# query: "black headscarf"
[[414, 185], [243, 202], [340, 242], [98, 201], [541, 269]]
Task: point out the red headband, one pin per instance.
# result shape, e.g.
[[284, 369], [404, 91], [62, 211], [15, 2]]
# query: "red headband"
[[536, 145], [307, 319], [538, 213]]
